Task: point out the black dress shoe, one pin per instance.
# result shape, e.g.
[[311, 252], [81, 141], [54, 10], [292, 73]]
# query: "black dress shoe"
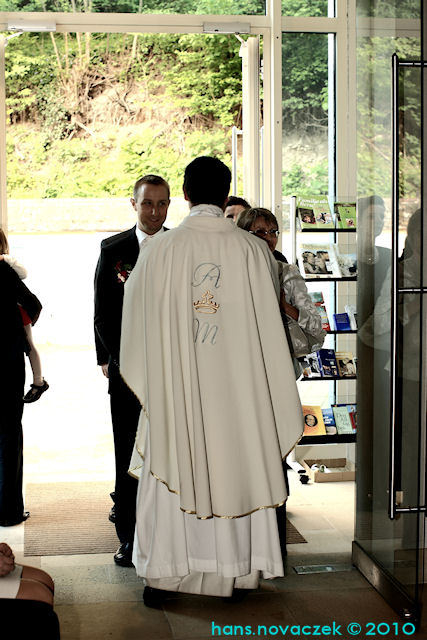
[[123, 555], [12, 523], [153, 597], [112, 514]]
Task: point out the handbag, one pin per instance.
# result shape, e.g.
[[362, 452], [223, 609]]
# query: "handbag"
[[298, 341]]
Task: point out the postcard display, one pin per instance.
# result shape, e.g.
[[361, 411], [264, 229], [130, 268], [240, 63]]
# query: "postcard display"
[[324, 246]]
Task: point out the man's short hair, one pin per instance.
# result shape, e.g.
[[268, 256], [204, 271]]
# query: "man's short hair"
[[149, 179], [233, 200], [246, 218], [207, 181]]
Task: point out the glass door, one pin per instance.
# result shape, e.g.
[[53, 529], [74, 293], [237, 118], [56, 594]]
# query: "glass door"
[[390, 504]]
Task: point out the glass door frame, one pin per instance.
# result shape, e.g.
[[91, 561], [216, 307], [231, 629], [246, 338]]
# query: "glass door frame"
[[408, 606]]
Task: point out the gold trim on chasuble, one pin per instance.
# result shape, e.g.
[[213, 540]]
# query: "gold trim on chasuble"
[[215, 515]]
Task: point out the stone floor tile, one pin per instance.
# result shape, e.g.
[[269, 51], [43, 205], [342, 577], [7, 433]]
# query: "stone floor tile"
[[195, 616], [117, 621]]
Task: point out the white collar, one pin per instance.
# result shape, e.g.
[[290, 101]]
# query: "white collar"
[[206, 210], [141, 235]]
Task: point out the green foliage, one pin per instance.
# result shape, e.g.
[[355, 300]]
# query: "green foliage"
[[55, 117], [312, 179], [305, 8], [26, 69], [305, 79], [203, 77], [103, 166], [137, 6]]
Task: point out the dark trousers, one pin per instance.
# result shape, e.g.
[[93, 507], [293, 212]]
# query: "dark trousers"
[[24, 619], [281, 515], [125, 410], [12, 379]]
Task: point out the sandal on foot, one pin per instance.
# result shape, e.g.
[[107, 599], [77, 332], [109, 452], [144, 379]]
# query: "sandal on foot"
[[36, 391]]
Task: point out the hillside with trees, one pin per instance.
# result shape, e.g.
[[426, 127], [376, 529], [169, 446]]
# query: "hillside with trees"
[[89, 112]]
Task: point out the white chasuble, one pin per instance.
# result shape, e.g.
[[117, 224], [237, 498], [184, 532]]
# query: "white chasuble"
[[204, 350]]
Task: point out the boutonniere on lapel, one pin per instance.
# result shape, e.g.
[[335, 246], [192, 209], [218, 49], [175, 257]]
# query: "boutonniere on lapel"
[[123, 271]]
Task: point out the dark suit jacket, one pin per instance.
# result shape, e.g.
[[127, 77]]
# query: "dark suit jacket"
[[14, 291], [118, 257], [119, 254]]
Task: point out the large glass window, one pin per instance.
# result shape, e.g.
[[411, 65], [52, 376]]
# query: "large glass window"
[[213, 7], [305, 113], [308, 129], [389, 8], [323, 8]]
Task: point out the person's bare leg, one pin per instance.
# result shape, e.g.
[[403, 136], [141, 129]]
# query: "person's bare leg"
[[33, 573], [33, 590], [36, 584], [34, 357]]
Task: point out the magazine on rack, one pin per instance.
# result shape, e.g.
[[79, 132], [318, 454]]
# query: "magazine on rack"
[[342, 321], [346, 364], [348, 264], [318, 261], [343, 421], [345, 214], [350, 309], [352, 412], [327, 362], [329, 420], [313, 421], [318, 300], [314, 213], [310, 366]]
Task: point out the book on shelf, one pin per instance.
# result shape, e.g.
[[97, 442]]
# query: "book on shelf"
[[313, 421], [350, 309], [319, 261], [342, 419], [317, 297], [347, 263], [318, 301], [314, 212], [342, 322], [310, 366], [329, 421], [345, 215], [327, 362], [352, 412], [346, 364], [324, 317]]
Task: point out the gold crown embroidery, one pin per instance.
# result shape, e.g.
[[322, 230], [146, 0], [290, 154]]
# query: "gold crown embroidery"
[[206, 304]]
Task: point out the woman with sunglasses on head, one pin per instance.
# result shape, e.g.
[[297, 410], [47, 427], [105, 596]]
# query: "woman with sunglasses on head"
[[295, 300]]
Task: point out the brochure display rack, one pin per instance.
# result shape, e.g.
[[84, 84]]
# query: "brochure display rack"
[[324, 248]]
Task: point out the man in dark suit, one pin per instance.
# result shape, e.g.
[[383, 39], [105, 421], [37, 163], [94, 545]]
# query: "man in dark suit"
[[119, 254], [12, 378]]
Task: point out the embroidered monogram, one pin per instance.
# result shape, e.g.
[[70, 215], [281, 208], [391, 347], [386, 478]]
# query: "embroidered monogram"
[[206, 304]]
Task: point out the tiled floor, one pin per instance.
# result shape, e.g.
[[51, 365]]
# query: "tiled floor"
[[95, 599]]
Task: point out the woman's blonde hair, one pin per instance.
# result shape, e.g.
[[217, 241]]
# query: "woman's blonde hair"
[[247, 217], [4, 245]]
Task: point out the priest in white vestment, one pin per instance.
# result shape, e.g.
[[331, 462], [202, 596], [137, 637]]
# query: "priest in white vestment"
[[204, 349]]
